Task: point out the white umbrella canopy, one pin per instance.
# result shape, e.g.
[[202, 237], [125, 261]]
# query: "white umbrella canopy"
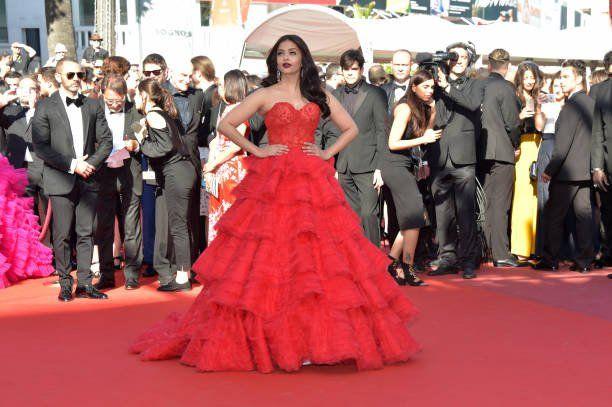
[[327, 32]]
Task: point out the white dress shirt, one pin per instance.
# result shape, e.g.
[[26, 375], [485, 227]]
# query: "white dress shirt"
[[28, 116], [75, 117], [399, 92], [116, 123]]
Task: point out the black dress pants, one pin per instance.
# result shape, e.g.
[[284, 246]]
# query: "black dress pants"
[[363, 198], [498, 188], [172, 213], [78, 208], [116, 185], [454, 193], [562, 197]]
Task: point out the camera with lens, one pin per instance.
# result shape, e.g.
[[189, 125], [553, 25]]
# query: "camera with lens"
[[431, 62]]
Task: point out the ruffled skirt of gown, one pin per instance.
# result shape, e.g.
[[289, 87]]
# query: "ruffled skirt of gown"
[[21, 253], [290, 278]]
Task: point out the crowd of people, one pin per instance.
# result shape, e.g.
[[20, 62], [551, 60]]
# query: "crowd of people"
[[127, 156]]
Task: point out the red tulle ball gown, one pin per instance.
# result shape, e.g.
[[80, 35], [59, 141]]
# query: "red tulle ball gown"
[[290, 277], [21, 254]]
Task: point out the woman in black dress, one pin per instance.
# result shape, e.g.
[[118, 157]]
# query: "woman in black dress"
[[175, 176], [413, 118]]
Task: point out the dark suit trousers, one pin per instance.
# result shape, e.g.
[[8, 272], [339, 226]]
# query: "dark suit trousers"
[[363, 198], [606, 221], [78, 208], [454, 193], [172, 213], [498, 188], [115, 185], [41, 200], [563, 196]]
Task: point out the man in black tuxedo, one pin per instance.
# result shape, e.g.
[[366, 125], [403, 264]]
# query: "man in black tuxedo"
[[601, 162], [569, 172], [453, 165], [499, 139], [71, 136], [120, 179], [358, 165], [16, 121]]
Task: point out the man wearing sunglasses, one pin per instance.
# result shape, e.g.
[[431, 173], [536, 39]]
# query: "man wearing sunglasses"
[[70, 134]]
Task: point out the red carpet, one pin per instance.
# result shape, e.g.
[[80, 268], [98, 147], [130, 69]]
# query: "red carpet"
[[509, 338]]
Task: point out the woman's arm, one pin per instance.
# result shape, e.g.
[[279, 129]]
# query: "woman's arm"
[[539, 118], [401, 117], [243, 112]]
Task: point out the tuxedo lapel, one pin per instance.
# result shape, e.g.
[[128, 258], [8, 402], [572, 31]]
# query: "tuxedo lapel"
[[85, 114], [361, 97]]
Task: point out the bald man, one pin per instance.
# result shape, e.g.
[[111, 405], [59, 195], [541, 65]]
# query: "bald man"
[[71, 136]]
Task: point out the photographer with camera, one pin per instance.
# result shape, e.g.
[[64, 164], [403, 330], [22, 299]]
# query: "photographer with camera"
[[453, 162]]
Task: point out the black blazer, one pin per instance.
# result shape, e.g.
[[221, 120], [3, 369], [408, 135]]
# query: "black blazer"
[[500, 134], [52, 140], [458, 114], [389, 89], [366, 152], [570, 159], [602, 126], [133, 165], [18, 134]]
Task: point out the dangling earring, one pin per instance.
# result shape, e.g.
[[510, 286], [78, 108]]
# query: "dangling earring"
[[278, 75]]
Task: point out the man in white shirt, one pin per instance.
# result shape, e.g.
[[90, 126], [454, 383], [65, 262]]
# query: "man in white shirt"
[[120, 181], [70, 134]]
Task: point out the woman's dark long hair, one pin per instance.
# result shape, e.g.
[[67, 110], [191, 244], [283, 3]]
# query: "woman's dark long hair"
[[310, 84], [160, 96], [518, 80], [420, 112]]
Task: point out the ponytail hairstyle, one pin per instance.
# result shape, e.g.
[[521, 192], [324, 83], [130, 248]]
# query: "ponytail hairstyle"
[[420, 112], [159, 96]]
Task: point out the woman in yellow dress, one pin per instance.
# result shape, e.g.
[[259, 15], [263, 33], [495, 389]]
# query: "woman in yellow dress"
[[528, 82]]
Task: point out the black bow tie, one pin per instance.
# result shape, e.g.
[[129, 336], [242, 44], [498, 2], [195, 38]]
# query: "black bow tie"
[[402, 87], [354, 89], [78, 102], [459, 81], [119, 112]]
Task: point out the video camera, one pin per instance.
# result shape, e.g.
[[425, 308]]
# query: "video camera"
[[431, 62]]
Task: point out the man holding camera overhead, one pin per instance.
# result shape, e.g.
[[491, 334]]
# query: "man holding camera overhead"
[[453, 163]]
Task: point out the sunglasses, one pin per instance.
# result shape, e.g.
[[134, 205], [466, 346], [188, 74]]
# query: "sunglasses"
[[80, 75], [155, 72]]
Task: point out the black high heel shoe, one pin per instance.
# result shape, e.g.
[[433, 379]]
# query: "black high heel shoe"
[[392, 269], [410, 276]]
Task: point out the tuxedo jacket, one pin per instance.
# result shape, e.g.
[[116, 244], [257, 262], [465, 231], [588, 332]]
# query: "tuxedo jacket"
[[52, 138], [458, 115], [602, 126], [133, 165], [18, 135], [389, 89], [366, 152], [207, 111], [571, 155], [500, 134]]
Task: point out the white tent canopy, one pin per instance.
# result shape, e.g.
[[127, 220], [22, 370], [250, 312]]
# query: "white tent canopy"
[[329, 33]]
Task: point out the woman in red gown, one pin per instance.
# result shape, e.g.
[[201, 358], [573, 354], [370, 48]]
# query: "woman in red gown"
[[290, 278]]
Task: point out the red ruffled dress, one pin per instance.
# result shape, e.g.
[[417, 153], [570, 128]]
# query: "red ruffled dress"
[[21, 253], [290, 277]]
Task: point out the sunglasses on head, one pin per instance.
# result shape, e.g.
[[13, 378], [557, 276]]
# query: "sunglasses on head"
[[80, 75], [155, 72]]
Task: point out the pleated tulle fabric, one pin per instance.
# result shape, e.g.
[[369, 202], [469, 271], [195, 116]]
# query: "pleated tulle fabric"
[[290, 277], [21, 254]]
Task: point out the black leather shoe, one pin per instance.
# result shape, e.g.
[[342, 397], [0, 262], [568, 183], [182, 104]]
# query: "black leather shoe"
[[506, 263], [546, 265], [443, 269], [65, 295], [149, 271], [105, 284], [173, 286], [469, 273], [392, 270], [89, 291], [580, 269], [132, 285]]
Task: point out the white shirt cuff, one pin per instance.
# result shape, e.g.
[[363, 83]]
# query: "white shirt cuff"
[[73, 165]]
